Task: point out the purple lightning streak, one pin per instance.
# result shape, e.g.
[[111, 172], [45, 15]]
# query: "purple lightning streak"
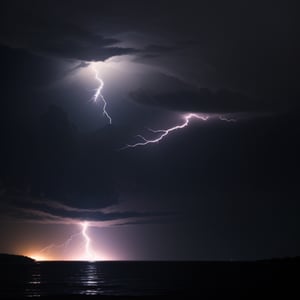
[[89, 253], [98, 94], [165, 132], [63, 245]]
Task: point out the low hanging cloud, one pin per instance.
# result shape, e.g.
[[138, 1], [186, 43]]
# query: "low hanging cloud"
[[84, 46], [47, 211]]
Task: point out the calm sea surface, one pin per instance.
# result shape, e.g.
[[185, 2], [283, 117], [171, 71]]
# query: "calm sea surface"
[[141, 278], [92, 278]]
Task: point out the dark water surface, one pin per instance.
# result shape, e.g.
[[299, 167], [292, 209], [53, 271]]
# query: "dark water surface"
[[90, 278], [137, 278]]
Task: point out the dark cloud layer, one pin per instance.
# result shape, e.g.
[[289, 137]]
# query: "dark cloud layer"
[[40, 30], [55, 161], [250, 46], [45, 211]]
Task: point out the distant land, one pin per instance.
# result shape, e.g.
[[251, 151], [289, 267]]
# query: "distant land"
[[15, 259]]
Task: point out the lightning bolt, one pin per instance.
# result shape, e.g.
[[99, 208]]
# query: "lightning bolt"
[[98, 94], [89, 253], [162, 133], [63, 245]]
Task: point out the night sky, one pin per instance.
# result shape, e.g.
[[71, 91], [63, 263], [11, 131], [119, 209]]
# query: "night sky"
[[218, 189]]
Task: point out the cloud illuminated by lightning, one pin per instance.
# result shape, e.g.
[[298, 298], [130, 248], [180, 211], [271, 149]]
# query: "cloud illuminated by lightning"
[[89, 253], [98, 94], [164, 132], [223, 118]]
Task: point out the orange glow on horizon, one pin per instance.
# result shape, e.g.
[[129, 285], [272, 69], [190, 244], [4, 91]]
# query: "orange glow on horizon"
[[38, 257], [78, 246], [41, 257]]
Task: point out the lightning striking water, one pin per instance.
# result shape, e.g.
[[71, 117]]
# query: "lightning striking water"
[[89, 253], [164, 132], [98, 95]]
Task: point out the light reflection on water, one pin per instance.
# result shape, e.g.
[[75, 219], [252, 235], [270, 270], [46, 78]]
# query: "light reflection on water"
[[32, 288], [45, 279], [90, 278]]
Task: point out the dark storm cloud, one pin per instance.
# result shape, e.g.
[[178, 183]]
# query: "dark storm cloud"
[[202, 100], [53, 174], [42, 31], [78, 66], [246, 46], [155, 51], [49, 157], [47, 211]]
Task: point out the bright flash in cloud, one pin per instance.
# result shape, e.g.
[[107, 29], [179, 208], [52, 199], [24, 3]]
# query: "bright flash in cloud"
[[98, 94]]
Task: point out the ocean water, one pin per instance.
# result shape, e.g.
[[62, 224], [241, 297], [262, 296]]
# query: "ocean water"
[[92, 278], [52, 279]]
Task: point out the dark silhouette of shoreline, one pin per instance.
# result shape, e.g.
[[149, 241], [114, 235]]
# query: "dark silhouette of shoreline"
[[15, 259]]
